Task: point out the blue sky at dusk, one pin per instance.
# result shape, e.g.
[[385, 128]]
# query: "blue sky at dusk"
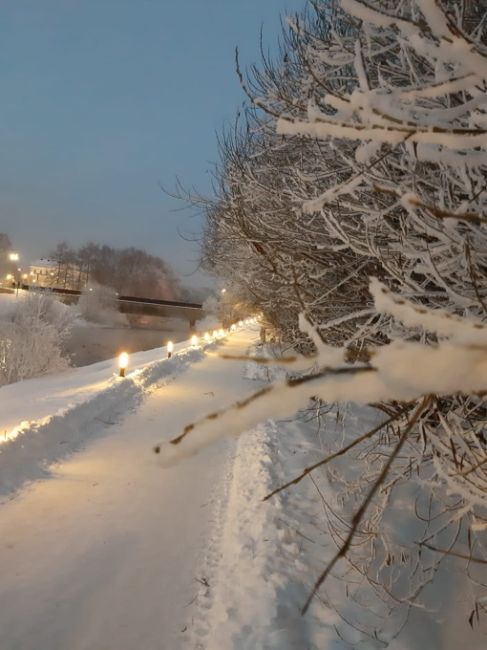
[[102, 100]]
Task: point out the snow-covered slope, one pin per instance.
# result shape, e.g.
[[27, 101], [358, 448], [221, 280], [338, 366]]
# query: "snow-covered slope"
[[44, 419], [106, 552]]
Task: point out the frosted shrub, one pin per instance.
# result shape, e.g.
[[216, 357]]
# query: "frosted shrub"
[[99, 304], [364, 156], [31, 338]]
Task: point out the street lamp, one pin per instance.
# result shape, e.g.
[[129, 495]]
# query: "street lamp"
[[14, 257]]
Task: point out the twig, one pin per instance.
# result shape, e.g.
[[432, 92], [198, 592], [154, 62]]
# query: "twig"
[[469, 558], [340, 452], [357, 518]]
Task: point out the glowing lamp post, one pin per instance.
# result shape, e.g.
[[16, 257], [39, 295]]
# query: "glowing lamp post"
[[123, 362], [170, 348], [194, 340]]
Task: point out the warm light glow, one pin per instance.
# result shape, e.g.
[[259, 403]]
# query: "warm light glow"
[[25, 276], [207, 337], [215, 334], [13, 257], [224, 290], [194, 340], [9, 276], [170, 347], [123, 360], [221, 332], [240, 323]]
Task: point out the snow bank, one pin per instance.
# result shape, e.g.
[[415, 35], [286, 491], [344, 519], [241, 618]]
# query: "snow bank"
[[44, 419], [262, 579], [270, 554]]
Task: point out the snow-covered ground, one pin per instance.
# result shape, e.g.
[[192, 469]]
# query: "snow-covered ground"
[[103, 548], [105, 551]]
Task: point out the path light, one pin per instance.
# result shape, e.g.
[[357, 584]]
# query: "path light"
[[123, 362], [207, 337], [240, 323], [170, 348], [221, 333], [233, 328], [194, 340], [215, 334]]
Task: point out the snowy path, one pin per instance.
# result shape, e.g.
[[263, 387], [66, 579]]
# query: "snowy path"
[[104, 555]]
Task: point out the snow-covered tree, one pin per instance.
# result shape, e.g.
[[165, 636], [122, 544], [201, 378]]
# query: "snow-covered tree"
[[31, 338], [364, 155], [99, 304]]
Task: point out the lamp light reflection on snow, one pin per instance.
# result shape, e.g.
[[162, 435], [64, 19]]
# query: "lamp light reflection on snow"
[[170, 349], [123, 362]]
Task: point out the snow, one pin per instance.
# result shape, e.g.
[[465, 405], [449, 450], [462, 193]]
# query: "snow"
[[45, 418], [109, 550], [106, 552]]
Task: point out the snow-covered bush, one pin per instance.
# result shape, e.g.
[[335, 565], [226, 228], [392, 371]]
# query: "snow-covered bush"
[[364, 155], [31, 338], [223, 308], [99, 304]]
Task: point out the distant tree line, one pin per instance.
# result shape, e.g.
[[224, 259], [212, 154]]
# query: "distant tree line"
[[130, 271]]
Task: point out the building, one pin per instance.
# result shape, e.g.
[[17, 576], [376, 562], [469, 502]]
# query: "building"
[[43, 272]]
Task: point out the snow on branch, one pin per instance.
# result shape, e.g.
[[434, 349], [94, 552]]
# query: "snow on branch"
[[461, 330], [400, 371]]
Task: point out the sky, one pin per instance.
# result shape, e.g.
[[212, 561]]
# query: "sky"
[[104, 101]]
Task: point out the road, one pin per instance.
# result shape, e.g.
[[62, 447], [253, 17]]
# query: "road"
[[105, 554]]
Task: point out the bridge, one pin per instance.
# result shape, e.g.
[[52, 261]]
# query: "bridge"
[[135, 305]]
